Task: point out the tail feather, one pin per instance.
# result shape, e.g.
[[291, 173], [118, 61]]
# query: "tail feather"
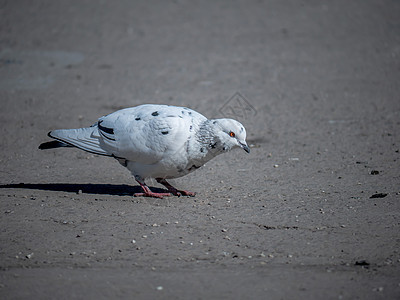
[[87, 139], [53, 144]]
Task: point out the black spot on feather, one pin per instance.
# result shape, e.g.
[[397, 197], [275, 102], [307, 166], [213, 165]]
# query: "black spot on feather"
[[105, 129], [106, 137], [194, 167], [155, 114], [164, 132], [137, 119]]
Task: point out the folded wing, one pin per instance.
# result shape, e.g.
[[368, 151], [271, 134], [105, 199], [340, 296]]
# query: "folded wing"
[[88, 139], [145, 133]]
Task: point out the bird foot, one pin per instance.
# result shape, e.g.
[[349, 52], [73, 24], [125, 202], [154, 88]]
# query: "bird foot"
[[147, 192], [173, 190], [152, 194], [182, 193]]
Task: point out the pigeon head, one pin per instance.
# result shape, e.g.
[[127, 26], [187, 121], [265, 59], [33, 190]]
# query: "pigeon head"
[[231, 133]]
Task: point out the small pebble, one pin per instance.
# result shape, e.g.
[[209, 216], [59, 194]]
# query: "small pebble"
[[160, 288]]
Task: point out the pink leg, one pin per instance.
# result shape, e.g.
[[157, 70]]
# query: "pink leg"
[[173, 190], [147, 191]]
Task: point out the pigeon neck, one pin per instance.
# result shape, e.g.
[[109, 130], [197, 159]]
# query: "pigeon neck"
[[208, 136]]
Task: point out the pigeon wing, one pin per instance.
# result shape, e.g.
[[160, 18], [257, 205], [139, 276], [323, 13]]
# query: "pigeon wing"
[[147, 133]]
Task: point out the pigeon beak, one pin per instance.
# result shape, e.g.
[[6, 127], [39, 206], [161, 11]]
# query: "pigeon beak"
[[245, 147]]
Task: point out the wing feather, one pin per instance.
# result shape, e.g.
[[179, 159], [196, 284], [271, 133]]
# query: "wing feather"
[[86, 139], [144, 134], [147, 133]]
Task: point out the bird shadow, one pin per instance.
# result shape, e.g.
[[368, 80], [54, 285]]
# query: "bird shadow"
[[84, 188]]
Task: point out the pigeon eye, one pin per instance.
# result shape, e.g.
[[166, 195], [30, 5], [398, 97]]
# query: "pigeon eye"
[[232, 134]]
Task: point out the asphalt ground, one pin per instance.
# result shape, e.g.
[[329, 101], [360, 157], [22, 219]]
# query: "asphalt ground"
[[311, 213]]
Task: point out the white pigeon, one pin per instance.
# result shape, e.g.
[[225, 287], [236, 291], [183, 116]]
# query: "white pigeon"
[[155, 141]]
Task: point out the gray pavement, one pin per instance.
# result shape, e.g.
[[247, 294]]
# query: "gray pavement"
[[312, 213]]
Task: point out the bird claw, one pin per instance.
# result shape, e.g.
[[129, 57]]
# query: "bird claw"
[[186, 193], [179, 193], [173, 190], [152, 194]]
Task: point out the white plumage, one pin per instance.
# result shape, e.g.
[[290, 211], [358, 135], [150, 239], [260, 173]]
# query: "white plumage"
[[157, 141]]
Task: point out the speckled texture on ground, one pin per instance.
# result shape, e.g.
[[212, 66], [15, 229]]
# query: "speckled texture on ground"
[[318, 94]]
